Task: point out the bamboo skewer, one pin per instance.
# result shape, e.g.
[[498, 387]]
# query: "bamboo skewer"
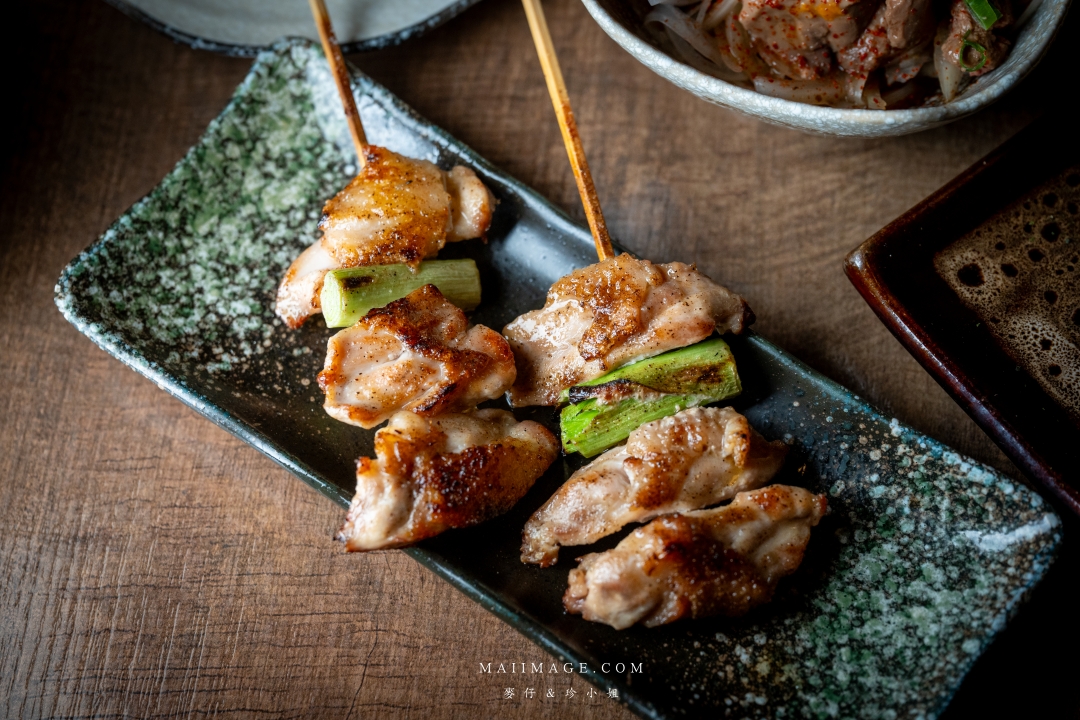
[[561, 101], [341, 77]]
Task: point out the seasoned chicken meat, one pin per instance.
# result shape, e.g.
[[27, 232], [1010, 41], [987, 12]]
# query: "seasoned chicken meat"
[[611, 313], [899, 28], [869, 52], [908, 22], [844, 53], [796, 36], [397, 210], [723, 561], [450, 471], [691, 460], [417, 353], [966, 35]]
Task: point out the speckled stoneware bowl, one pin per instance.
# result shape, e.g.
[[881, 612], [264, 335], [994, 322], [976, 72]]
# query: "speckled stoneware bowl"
[[622, 20], [923, 558], [246, 27]]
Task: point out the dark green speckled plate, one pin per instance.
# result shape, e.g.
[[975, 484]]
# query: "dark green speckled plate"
[[921, 562]]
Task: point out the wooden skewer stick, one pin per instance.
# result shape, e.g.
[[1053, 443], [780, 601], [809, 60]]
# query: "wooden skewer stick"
[[341, 77], [561, 101]]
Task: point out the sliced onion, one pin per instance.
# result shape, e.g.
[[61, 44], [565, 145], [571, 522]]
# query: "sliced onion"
[[691, 56], [909, 64], [897, 94], [702, 9], [1028, 12], [902, 72], [685, 28], [694, 44], [812, 92], [721, 11], [951, 76], [871, 96], [854, 85], [743, 57]]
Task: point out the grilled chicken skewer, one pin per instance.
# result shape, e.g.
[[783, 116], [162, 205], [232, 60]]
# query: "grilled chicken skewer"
[[691, 460], [724, 561], [439, 463], [396, 210], [612, 313], [451, 471], [703, 562]]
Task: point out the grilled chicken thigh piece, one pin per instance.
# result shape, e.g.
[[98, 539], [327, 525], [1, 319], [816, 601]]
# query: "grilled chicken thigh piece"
[[402, 210], [723, 561], [417, 353], [690, 460], [298, 295], [397, 210], [450, 471], [611, 313]]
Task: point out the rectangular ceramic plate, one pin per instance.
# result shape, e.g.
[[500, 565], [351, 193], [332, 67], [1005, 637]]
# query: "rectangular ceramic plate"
[[981, 282], [925, 553]]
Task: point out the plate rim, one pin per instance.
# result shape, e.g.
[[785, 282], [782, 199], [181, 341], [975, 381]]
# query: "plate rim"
[[379, 42]]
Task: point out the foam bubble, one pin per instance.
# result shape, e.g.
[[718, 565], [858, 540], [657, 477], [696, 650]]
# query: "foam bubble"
[[1020, 273]]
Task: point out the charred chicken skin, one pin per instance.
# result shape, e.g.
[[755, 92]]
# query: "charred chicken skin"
[[397, 210], [691, 460], [417, 353], [724, 561], [450, 471], [612, 313]]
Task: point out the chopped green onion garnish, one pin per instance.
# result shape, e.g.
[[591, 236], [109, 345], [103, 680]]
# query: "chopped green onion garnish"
[[610, 407], [977, 48], [348, 293], [983, 12]]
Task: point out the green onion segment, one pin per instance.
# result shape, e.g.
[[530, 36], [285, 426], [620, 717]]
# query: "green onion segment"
[[977, 48], [983, 12], [691, 376], [348, 293]]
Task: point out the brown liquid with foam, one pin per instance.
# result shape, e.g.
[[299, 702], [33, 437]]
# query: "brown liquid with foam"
[[1020, 273]]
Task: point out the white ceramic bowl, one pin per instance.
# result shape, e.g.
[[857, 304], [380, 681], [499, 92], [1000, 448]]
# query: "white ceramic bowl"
[[621, 19]]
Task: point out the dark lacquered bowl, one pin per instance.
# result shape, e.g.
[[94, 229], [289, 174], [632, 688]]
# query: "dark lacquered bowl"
[[917, 271]]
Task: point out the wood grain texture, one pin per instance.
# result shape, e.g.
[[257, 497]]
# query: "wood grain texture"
[[151, 565]]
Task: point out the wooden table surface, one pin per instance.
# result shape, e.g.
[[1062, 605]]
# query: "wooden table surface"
[[153, 565]]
